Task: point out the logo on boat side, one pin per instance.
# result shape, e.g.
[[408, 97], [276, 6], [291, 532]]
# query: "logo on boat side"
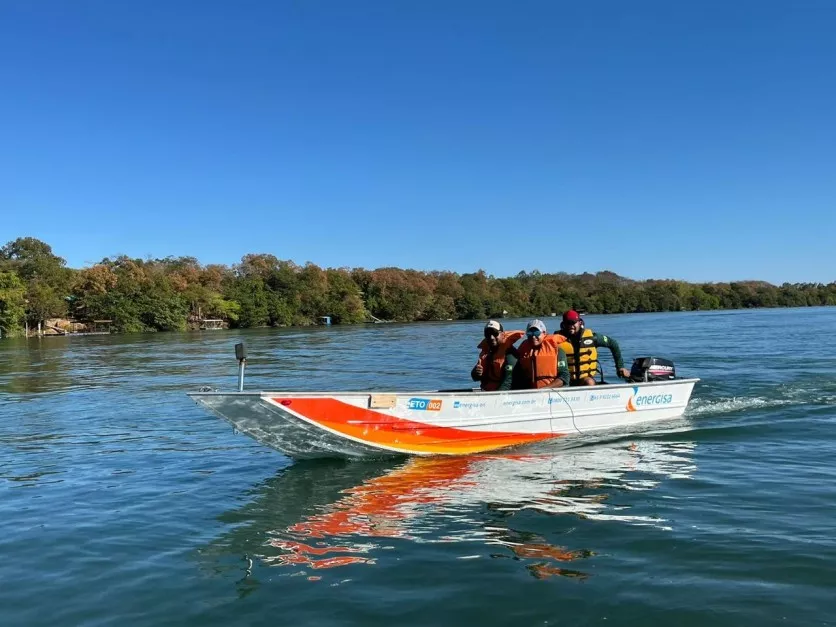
[[468, 404], [647, 400], [424, 404]]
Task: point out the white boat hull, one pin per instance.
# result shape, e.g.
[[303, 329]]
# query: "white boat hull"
[[357, 424]]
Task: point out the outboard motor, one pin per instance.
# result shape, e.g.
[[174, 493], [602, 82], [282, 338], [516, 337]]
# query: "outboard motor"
[[652, 369]]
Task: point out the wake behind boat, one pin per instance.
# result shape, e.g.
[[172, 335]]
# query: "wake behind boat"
[[366, 424]]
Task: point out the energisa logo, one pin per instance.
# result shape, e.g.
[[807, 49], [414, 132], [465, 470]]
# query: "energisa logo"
[[468, 404], [649, 399], [424, 404]]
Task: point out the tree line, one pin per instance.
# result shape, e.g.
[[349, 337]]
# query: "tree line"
[[175, 293]]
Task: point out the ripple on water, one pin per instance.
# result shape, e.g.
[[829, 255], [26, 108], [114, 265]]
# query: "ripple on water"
[[123, 503]]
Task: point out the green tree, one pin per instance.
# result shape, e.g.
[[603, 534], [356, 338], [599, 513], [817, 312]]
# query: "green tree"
[[254, 300], [12, 304], [46, 278], [344, 301]]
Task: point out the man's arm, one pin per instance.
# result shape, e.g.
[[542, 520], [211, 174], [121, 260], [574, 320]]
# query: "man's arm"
[[615, 349], [562, 369], [507, 372]]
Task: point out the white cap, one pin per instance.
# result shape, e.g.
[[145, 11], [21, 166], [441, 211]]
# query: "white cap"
[[536, 324], [493, 324]]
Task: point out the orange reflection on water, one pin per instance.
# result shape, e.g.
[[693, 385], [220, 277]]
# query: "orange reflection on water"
[[378, 507], [533, 550], [544, 571], [385, 506], [303, 555]]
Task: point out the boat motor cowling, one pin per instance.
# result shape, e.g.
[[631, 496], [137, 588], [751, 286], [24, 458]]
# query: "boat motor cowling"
[[652, 369]]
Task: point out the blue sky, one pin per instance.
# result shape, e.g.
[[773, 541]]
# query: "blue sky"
[[656, 139]]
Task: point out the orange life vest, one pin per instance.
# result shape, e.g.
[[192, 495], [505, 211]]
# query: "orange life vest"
[[540, 364], [492, 363]]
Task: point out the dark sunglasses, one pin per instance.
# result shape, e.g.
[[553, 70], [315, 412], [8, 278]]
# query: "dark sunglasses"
[[533, 333], [491, 332]]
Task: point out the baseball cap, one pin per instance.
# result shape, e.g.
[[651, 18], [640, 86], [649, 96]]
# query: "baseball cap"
[[571, 316], [536, 324], [493, 324]]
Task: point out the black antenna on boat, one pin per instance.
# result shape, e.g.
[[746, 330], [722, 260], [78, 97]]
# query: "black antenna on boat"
[[241, 356]]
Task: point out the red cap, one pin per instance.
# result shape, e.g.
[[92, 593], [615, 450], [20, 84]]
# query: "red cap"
[[571, 316]]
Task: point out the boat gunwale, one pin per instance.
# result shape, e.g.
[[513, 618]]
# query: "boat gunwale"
[[442, 394]]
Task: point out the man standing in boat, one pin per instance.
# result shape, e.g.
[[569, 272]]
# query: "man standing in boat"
[[581, 347], [497, 358], [541, 363]]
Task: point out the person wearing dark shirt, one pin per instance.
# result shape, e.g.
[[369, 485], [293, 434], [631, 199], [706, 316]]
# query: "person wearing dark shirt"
[[581, 347]]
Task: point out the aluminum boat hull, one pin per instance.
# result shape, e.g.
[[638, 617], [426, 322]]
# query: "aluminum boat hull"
[[368, 424]]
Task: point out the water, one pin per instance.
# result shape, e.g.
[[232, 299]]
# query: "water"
[[122, 503]]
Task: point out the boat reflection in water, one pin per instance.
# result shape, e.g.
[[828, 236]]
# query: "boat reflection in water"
[[321, 515]]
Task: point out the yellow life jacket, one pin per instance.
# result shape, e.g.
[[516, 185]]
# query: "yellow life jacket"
[[583, 362]]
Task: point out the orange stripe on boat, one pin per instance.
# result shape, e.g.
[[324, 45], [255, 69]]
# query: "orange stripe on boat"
[[405, 435]]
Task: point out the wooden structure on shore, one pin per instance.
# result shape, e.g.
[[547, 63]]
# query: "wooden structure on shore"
[[91, 327]]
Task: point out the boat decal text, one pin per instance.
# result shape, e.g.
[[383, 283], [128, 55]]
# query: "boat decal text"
[[604, 397], [647, 400], [520, 401], [561, 398], [424, 404], [468, 405]]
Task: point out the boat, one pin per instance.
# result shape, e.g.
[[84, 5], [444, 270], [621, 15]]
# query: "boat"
[[306, 425]]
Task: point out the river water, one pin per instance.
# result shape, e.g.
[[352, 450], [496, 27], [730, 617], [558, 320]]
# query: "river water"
[[123, 503]]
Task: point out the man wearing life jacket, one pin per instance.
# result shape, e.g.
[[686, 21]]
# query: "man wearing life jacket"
[[497, 357], [541, 363], [581, 347]]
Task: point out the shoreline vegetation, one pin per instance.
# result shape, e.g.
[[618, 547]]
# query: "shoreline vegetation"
[[38, 293]]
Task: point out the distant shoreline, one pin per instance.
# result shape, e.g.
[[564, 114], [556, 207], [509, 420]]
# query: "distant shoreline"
[[125, 295], [479, 323]]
